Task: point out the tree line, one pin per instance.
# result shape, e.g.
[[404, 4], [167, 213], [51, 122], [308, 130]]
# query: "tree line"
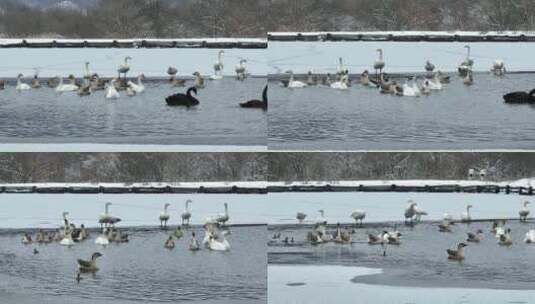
[[254, 18]]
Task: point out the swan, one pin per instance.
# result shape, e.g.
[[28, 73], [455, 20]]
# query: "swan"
[[111, 91], [444, 226], [530, 237], [410, 211], [475, 237], [327, 80], [218, 67], [467, 64], [429, 67], [342, 237], [199, 81], [498, 68], [103, 239], [520, 97], [379, 63], [376, 239], [170, 243], [443, 78], [223, 218], [321, 220], [505, 239], [392, 237], [172, 71], [411, 90], [106, 219], [524, 212], [241, 70], [138, 87], [130, 91], [311, 80], [219, 243], [194, 244], [67, 238], [86, 89], [164, 216], [292, 83], [87, 75], [465, 216], [21, 86], [434, 83], [26, 239], [419, 213], [300, 216], [469, 78], [124, 68], [365, 78], [342, 84], [186, 215], [181, 99], [91, 265], [255, 103], [69, 87], [358, 216], [458, 254]]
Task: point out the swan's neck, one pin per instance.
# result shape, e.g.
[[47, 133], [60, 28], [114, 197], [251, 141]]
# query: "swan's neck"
[[226, 209], [107, 207], [165, 208]]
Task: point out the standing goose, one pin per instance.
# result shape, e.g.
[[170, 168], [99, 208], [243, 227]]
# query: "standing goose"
[[21, 86], [457, 255], [138, 87], [218, 67], [223, 218], [186, 215], [379, 64], [194, 244], [124, 68], [91, 265], [524, 212], [164, 216], [181, 99], [358, 216], [465, 216], [258, 104], [106, 219], [241, 70], [300, 216]]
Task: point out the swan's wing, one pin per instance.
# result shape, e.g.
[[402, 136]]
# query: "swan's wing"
[[451, 252], [84, 263]]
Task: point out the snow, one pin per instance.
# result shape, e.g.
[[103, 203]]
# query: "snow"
[[259, 184], [414, 33]]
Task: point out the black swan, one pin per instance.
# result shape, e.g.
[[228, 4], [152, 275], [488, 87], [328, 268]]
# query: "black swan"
[[181, 99], [520, 97], [255, 103]]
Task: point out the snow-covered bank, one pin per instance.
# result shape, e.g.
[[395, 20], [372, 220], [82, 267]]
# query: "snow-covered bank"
[[108, 148]]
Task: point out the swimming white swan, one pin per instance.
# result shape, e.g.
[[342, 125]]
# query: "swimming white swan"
[[411, 89], [194, 244], [241, 70], [465, 216], [530, 237], [292, 83], [66, 87], [21, 86], [342, 84], [106, 219], [111, 91], [213, 238], [224, 217], [358, 216], [433, 84], [138, 87], [67, 231], [300, 216], [524, 212], [186, 215], [505, 239], [164, 216], [218, 67], [103, 239]]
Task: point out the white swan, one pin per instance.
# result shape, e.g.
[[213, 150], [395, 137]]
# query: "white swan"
[[218, 244], [106, 218], [224, 217], [465, 216], [138, 87], [124, 68], [103, 239], [218, 67], [164, 216], [530, 237], [292, 83], [111, 91], [241, 70], [524, 212], [68, 87], [21, 86], [358, 216], [379, 63], [340, 69], [194, 244], [87, 73], [411, 90], [67, 231], [434, 83], [342, 84], [410, 211], [186, 215], [321, 220], [498, 68], [300, 216], [467, 64]]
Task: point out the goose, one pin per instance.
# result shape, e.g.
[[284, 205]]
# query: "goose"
[[186, 215], [498, 228], [327, 80], [97, 84], [2, 84], [164, 216], [117, 236], [241, 70], [457, 255], [321, 220], [411, 90], [178, 232], [341, 237], [311, 80], [218, 67], [530, 237], [379, 63], [410, 211], [358, 216], [111, 91], [84, 234], [138, 87], [85, 90], [376, 239], [429, 67], [467, 64], [172, 71], [52, 82], [465, 216], [392, 238], [91, 265], [469, 78], [433, 84], [255, 103], [293, 84], [506, 239], [170, 243], [365, 78], [181, 99], [69, 87], [475, 237], [194, 244], [21, 86], [224, 217], [300, 216], [124, 68], [443, 78], [519, 97], [498, 68], [26, 239], [199, 81], [106, 219], [524, 212], [35, 81]]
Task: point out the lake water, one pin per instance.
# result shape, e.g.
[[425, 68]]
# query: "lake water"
[[42, 116], [458, 117], [141, 271]]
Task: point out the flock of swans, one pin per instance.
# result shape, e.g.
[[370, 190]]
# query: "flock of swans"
[[412, 215], [414, 87], [215, 231]]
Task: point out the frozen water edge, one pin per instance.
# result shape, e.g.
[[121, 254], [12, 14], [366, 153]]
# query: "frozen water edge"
[[86, 147]]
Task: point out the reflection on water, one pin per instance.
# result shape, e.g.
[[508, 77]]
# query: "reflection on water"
[[141, 270], [458, 117], [42, 115]]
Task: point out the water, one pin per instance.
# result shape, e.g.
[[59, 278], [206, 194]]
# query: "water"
[[139, 271], [43, 116], [458, 117]]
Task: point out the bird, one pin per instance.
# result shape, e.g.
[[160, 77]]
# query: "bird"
[[218, 67], [91, 265], [21, 86], [2, 84], [255, 103], [181, 99], [505, 239], [172, 71], [292, 83], [465, 216], [467, 64], [520, 97], [124, 68], [458, 254], [469, 78], [169, 243], [379, 64], [111, 91], [35, 81], [138, 87], [106, 219], [186, 215], [498, 68], [27, 239], [429, 67], [410, 211], [194, 244], [475, 237], [300, 216], [321, 220], [35, 251], [164, 216], [530, 237], [224, 217], [358, 216], [199, 81], [241, 70], [365, 78], [524, 212]]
